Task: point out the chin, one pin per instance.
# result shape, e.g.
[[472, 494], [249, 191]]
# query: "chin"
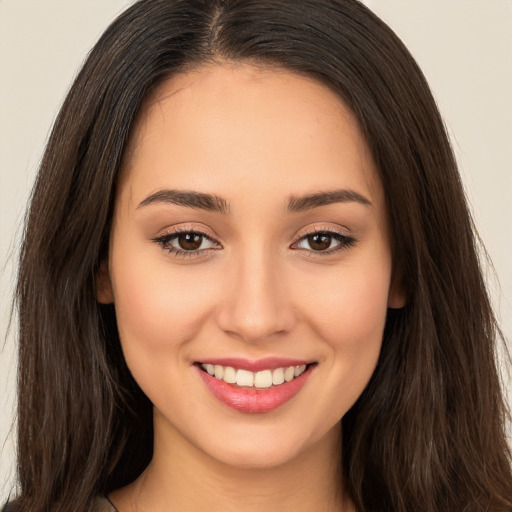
[[257, 455], [254, 449]]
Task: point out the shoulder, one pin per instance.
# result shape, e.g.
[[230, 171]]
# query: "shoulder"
[[103, 505]]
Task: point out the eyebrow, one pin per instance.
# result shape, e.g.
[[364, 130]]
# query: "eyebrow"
[[214, 203], [198, 200], [310, 201]]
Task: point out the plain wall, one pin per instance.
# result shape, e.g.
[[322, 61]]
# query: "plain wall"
[[463, 46]]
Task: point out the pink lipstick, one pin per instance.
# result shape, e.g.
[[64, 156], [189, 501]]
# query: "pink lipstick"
[[254, 386]]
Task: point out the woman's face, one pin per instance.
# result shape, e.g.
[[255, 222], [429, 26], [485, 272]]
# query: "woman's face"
[[249, 236]]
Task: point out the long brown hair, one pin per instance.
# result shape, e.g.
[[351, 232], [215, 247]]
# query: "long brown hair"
[[428, 433]]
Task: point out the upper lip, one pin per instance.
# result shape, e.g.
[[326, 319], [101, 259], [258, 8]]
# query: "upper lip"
[[255, 365]]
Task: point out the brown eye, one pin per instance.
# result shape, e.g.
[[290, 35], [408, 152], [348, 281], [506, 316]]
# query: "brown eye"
[[186, 242], [190, 241], [325, 242], [320, 241]]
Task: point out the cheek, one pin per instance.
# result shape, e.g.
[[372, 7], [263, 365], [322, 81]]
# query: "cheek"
[[351, 326], [351, 307], [349, 316], [158, 308]]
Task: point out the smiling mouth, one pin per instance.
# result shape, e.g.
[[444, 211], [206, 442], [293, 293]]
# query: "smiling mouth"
[[254, 386], [264, 379]]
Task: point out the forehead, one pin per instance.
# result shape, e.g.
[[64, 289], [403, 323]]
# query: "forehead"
[[218, 125]]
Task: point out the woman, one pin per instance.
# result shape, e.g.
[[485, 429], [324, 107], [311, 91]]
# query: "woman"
[[249, 277]]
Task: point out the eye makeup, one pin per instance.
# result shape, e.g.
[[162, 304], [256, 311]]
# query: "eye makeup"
[[193, 242], [323, 241], [186, 242]]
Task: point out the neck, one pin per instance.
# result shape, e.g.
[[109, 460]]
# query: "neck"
[[181, 477]]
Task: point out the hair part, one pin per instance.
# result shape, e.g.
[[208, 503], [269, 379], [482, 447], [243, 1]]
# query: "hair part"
[[428, 430]]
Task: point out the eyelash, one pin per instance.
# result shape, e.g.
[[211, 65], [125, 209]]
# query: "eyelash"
[[344, 242], [165, 240]]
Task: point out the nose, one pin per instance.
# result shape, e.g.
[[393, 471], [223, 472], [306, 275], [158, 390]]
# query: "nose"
[[256, 303]]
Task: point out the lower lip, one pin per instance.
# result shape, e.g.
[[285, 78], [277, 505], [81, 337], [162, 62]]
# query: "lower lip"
[[252, 400]]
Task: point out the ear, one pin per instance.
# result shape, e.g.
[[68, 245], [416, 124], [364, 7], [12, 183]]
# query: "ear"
[[397, 298], [104, 293]]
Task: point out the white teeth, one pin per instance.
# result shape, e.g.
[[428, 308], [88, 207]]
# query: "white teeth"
[[244, 378], [299, 370], [219, 371], [229, 375], [277, 376], [263, 379], [260, 380], [289, 373]]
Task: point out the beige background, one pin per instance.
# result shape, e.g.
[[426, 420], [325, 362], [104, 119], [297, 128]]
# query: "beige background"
[[463, 46]]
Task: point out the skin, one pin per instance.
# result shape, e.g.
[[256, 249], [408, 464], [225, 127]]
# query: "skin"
[[254, 137]]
